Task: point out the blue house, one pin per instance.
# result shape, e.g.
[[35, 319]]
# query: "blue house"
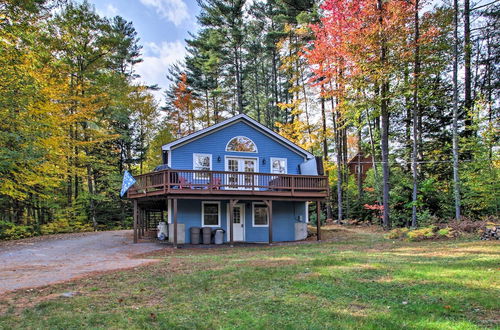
[[237, 175]]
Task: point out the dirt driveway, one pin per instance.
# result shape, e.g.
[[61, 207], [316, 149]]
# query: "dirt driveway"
[[32, 263]]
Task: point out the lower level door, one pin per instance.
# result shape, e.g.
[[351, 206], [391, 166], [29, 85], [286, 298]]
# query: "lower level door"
[[238, 223]]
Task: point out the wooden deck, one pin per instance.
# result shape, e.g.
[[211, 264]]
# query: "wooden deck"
[[220, 184]]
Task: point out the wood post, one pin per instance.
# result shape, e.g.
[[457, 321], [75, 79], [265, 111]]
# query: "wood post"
[[143, 212], [318, 220], [135, 221], [139, 223], [168, 182], [175, 222], [269, 204]]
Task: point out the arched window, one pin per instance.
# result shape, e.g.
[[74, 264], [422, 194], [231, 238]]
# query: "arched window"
[[241, 144]]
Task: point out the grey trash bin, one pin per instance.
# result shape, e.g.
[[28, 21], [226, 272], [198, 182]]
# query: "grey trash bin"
[[195, 235], [207, 235], [219, 236]]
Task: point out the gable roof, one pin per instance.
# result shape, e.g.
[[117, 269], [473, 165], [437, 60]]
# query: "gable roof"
[[238, 118]]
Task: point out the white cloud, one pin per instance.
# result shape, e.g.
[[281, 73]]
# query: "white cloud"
[[175, 11], [108, 11], [111, 10], [156, 60]]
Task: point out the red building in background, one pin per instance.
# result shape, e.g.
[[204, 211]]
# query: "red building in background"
[[360, 163]]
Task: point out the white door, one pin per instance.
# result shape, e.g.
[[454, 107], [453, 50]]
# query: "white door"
[[240, 180], [238, 223]]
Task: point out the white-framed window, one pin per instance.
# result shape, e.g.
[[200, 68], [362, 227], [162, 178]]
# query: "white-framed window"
[[210, 214], [241, 144], [259, 215], [278, 165], [202, 162]]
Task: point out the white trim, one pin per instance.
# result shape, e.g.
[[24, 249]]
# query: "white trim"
[[196, 175], [278, 158], [253, 215], [235, 119], [241, 157], [242, 136], [203, 214], [169, 155], [242, 205], [226, 169], [169, 211], [307, 212]]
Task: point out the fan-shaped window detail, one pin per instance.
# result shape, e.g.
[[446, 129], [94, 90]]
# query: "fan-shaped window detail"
[[241, 144]]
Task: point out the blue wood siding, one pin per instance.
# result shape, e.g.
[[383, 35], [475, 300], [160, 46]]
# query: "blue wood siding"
[[215, 144], [285, 215]]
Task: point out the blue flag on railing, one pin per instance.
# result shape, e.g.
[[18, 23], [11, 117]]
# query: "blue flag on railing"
[[128, 181]]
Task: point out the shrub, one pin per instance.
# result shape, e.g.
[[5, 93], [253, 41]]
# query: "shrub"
[[8, 231], [444, 232], [422, 233], [62, 225], [398, 233]]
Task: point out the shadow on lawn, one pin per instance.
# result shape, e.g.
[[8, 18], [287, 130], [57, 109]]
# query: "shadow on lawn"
[[366, 282]]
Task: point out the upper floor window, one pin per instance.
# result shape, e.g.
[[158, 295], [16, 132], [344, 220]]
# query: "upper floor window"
[[202, 162], [241, 144], [278, 165]]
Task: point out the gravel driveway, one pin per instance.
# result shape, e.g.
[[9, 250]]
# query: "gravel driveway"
[[32, 263]]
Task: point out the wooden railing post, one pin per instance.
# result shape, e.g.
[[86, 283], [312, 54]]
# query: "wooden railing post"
[[210, 181], [169, 174], [292, 181], [164, 182]]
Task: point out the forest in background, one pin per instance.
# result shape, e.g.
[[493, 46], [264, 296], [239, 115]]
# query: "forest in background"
[[413, 83]]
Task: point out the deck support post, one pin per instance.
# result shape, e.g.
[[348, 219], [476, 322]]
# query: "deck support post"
[[232, 203], [269, 204], [139, 222], [175, 222], [143, 216], [318, 220], [135, 221]]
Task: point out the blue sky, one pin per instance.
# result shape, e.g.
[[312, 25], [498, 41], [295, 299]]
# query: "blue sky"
[[162, 26]]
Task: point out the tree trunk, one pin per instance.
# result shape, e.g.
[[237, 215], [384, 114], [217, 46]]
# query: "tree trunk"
[[467, 73], [384, 118], [239, 86], [416, 74], [325, 151], [91, 194], [359, 171], [339, 162], [456, 178]]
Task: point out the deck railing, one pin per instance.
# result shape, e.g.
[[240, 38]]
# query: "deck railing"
[[223, 182]]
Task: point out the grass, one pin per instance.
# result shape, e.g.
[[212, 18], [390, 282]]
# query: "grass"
[[356, 280]]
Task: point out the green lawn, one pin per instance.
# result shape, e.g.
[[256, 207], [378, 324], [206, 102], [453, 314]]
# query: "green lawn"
[[357, 280]]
